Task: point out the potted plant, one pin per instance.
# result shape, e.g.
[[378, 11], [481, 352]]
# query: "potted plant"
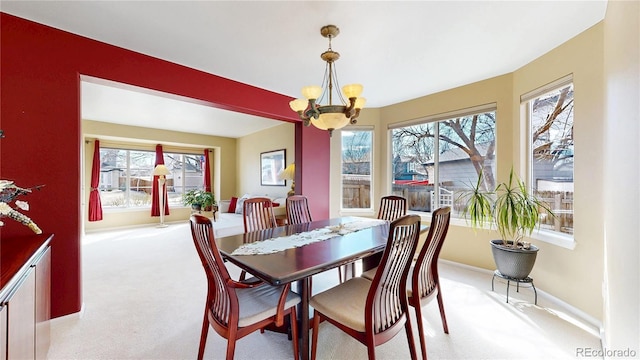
[[515, 213], [199, 199]]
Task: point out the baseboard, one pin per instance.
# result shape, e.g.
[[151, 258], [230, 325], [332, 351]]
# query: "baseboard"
[[68, 318], [586, 321]]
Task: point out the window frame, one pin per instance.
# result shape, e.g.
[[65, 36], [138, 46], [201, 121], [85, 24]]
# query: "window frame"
[[435, 120], [561, 239], [127, 190], [356, 128]]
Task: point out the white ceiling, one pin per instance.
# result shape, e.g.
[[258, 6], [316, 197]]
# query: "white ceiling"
[[399, 50]]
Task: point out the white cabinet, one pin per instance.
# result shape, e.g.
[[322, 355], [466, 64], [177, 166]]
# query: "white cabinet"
[[25, 298]]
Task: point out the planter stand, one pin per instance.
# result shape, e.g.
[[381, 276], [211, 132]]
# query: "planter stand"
[[509, 279]]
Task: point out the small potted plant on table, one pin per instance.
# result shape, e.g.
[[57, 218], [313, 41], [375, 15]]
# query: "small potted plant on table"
[[515, 212]]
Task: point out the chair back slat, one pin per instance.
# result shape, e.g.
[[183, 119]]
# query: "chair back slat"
[[298, 210], [425, 275], [258, 214], [392, 207], [221, 300], [387, 300]]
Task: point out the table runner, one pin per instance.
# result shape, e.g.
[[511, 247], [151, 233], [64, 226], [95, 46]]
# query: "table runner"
[[273, 245]]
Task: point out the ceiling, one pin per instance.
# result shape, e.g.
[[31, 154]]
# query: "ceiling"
[[399, 50]]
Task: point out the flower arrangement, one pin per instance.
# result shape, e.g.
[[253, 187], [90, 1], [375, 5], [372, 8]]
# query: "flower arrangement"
[[8, 194]]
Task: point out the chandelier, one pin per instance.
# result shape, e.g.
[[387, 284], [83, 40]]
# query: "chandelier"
[[330, 116]]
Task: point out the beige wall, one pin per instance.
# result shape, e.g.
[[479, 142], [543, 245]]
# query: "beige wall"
[[223, 163], [574, 276], [249, 149]]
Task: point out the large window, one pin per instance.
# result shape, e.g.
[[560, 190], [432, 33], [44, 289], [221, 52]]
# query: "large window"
[[550, 114], [449, 151], [356, 168], [126, 177]]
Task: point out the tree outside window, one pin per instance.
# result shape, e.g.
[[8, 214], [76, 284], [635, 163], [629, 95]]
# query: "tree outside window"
[[551, 154], [465, 147]]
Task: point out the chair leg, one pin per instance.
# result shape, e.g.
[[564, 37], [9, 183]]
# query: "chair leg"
[[231, 346], [314, 335], [423, 346], [203, 336], [442, 315], [294, 333], [412, 345], [371, 351]]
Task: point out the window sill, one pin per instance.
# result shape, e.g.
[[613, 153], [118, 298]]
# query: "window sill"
[[561, 240]]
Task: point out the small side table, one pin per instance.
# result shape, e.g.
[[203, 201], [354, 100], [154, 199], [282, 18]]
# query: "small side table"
[[281, 220], [509, 279]]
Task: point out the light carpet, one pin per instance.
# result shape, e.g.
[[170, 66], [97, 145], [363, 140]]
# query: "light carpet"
[[144, 291]]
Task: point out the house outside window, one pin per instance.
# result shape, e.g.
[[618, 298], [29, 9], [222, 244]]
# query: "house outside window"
[[450, 150], [356, 168], [126, 177], [551, 151]]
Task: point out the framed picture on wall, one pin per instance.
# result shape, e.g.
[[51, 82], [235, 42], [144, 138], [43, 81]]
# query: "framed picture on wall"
[[272, 164]]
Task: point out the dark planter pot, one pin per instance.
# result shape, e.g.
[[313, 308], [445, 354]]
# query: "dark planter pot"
[[196, 207], [513, 263]]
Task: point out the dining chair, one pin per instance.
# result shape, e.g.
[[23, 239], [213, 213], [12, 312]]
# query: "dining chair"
[[235, 309], [257, 214], [424, 281], [374, 311], [297, 207], [392, 207]]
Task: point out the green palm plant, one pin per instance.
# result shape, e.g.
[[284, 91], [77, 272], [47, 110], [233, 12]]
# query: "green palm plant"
[[510, 207]]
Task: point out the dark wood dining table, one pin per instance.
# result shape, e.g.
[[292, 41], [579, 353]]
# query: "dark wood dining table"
[[300, 263]]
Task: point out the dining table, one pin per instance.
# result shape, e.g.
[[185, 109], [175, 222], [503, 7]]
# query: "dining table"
[[340, 245]]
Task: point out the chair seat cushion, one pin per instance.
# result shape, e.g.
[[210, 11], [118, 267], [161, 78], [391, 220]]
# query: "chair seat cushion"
[[261, 302], [344, 303], [369, 274]]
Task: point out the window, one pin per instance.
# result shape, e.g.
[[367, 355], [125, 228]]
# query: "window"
[[126, 177], [356, 168], [465, 147], [550, 115]]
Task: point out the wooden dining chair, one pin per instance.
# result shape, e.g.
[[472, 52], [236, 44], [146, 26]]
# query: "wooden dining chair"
[[235, 309], [373, 312], [297, 207], [392, 207], [257, 214], [424, 282]]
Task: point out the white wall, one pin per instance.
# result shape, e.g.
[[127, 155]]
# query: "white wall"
[[621, 174]]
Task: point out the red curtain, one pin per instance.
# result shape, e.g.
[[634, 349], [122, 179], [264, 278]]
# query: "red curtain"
[[95, 205], [207, 170], [155, 200]]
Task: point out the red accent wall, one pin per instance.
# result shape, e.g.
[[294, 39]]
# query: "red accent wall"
[[316, 144], [40, 114]]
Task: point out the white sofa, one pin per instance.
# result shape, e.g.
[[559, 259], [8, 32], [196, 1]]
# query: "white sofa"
[[227, 223]]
